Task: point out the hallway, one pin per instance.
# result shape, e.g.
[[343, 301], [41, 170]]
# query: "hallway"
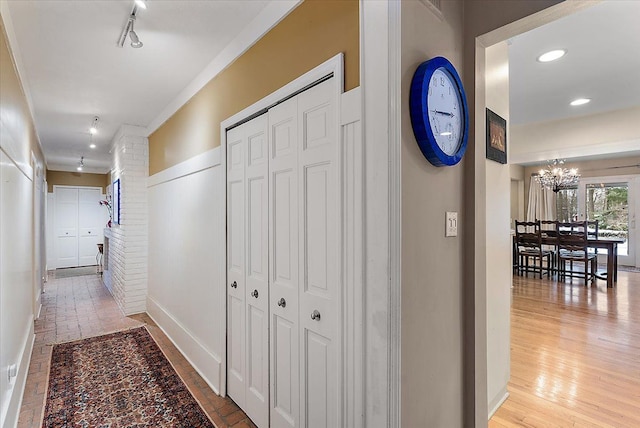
[[79, 307]]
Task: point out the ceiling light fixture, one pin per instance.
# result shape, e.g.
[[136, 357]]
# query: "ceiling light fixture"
[[135, 40], [92, 146], [94, 126], [142, 4], [128, 30], [552, 55], [580, 101], [556, 177], [81, 163]]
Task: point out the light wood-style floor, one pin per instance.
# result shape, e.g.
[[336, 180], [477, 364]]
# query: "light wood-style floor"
[[575, 354]]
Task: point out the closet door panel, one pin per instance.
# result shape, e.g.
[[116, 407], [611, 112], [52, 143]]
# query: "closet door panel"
[[284, 261], [236, 313], [319, 254], [257, 271]]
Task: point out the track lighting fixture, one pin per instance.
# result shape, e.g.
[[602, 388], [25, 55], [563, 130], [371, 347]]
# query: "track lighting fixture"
[[94, 126], [128, 29], [135, 40], [81, 163]]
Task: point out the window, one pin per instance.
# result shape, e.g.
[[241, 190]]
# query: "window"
[[567, 204]]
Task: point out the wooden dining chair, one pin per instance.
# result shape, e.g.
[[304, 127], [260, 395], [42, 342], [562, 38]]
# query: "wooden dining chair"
[[573, 247], [592, 232], [549, 231], [529, 247]]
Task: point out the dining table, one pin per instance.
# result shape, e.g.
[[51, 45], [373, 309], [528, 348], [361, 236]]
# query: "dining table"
[[610, 244]]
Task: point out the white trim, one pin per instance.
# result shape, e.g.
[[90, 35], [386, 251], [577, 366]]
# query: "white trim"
[[268, 18], [395, 215], [380, 56], [352, 241], [494, 409], [204, 361], [17, 391], [198, 163]]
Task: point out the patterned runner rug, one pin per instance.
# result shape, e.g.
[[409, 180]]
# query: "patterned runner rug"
[[118, 380]]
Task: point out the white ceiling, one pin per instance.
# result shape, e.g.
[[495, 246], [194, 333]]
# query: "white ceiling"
[[602, 63], [74, 70]]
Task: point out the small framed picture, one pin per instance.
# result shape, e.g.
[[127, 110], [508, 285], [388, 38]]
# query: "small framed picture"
[[496, 137]]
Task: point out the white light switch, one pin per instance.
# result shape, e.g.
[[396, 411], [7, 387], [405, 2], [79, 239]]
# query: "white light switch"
[[451, 228]]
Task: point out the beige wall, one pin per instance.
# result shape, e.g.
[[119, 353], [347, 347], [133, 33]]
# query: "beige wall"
[[432, 288], [64, 178], [580, 136], [314, 32], [627, 165]]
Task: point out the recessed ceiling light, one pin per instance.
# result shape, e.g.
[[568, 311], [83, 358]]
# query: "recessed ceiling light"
[[93, 131], [552, 55], [92, 146], [94, 126], [79, 168], [580, 101]]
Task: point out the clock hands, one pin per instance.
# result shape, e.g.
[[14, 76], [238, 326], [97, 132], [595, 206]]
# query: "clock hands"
[[444, 113]]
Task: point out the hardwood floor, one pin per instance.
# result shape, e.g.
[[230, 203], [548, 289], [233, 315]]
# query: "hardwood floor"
[[575, 354]]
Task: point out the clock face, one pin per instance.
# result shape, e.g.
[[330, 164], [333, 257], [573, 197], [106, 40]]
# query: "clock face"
[[445, 111]]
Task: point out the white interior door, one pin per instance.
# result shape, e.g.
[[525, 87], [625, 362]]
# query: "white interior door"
[[318, 195], [249, 269], [66, 230], [89, 225], [283, 232]]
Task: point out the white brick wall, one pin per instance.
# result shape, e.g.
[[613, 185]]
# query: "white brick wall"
[[128, 252]]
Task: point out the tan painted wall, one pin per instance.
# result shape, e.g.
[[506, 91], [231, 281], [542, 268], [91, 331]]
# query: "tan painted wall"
[[64, 178], [13, 105], [432, 342], [314, 32]]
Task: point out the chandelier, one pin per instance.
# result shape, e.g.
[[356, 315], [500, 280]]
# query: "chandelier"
[[556, 177]]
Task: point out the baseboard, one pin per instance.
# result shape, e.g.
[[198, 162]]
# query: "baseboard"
[[10, 418], [499, 400], [206, 363]]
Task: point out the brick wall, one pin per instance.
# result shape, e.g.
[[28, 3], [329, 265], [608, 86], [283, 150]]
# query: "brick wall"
[[128, 246]]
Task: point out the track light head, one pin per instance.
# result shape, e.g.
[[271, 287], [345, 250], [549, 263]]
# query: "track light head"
[[142, 4], [135, 40]]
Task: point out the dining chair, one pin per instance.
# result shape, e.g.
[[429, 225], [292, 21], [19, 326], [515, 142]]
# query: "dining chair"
[[529, 246], [573, 247], [549, 232], [592, 232]]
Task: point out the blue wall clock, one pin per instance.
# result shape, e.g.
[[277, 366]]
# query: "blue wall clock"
[[439, 113]]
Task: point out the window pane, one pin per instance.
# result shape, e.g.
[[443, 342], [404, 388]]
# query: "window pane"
[[567, 204], [609, 204]]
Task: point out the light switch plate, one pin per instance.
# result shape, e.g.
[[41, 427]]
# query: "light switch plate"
[[451, 226]]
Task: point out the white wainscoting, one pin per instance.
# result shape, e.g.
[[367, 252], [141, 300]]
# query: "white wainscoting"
[[185, 294], [16, 281]]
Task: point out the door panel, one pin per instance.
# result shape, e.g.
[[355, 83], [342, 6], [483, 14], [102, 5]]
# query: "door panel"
[[236, 313], [89, 223], [284, 260], [319, 192], [257, 276], [66, 220]]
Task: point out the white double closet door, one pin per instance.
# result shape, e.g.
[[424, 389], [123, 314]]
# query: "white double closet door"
[[78, 225], [282, 252]]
